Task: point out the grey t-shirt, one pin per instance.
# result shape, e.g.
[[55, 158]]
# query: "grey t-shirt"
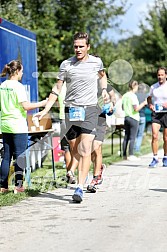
[[81, 80]]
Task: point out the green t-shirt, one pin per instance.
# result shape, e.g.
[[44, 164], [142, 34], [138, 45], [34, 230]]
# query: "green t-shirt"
[[129, 99], [13, 116]]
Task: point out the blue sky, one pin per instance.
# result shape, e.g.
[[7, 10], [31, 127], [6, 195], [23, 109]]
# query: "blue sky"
[[131, 20]]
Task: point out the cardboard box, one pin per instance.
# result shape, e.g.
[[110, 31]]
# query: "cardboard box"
[[44, 124]]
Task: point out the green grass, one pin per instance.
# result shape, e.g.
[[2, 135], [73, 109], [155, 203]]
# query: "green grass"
[[10, 198], [42, 178], [41, 181], [109, 158]]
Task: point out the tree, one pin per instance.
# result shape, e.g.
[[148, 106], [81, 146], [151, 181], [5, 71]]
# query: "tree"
[[151, 45], [55, 22]]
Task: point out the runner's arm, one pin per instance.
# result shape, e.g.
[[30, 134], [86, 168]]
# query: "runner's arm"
[[149, 102], [103, 83], [51, 100]]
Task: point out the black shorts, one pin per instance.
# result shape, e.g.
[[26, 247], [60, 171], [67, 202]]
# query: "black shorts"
[[160, 118], [64, 144], [88, 126]]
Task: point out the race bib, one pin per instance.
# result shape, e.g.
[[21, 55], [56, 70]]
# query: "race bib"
[[76, 114], [159, 108]]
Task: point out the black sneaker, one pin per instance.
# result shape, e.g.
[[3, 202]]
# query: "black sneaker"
[[92, 186]]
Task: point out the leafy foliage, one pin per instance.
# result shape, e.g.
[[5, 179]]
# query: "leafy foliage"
[[151, 46], [55, 22]]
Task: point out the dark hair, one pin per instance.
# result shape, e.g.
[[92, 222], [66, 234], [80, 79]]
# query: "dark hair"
[[162, 68], [132, 84], [11, 68], [82, 35]]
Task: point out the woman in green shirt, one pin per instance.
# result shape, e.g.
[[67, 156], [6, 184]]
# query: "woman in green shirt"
[[131, 108], [14, 106]]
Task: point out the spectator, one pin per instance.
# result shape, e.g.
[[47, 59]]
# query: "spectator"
[[13, 106], [141, 95], [131, 108]]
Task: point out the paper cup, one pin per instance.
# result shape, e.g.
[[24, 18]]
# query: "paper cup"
[[41, 128], [33, 128], [35, 121]]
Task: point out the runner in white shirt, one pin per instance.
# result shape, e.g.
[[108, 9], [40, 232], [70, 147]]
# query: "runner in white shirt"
[[157, 102]]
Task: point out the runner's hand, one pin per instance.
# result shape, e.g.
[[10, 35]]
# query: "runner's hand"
[[40, 114], [151, 107], [111, 106], [105, 96]]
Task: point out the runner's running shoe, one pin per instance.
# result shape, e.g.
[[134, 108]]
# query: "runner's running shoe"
[[70, 177], [92, 186], [164, 160], [78, 195], [153, 163]]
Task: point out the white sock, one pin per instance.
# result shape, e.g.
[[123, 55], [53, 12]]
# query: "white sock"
[[156, 157], [80, 186]]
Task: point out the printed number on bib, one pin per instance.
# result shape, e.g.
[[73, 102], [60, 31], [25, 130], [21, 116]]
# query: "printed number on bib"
[[76, 114], [159, 108]]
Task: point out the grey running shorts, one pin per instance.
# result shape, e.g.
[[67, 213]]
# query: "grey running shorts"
[[101, 126], [88, 126]]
